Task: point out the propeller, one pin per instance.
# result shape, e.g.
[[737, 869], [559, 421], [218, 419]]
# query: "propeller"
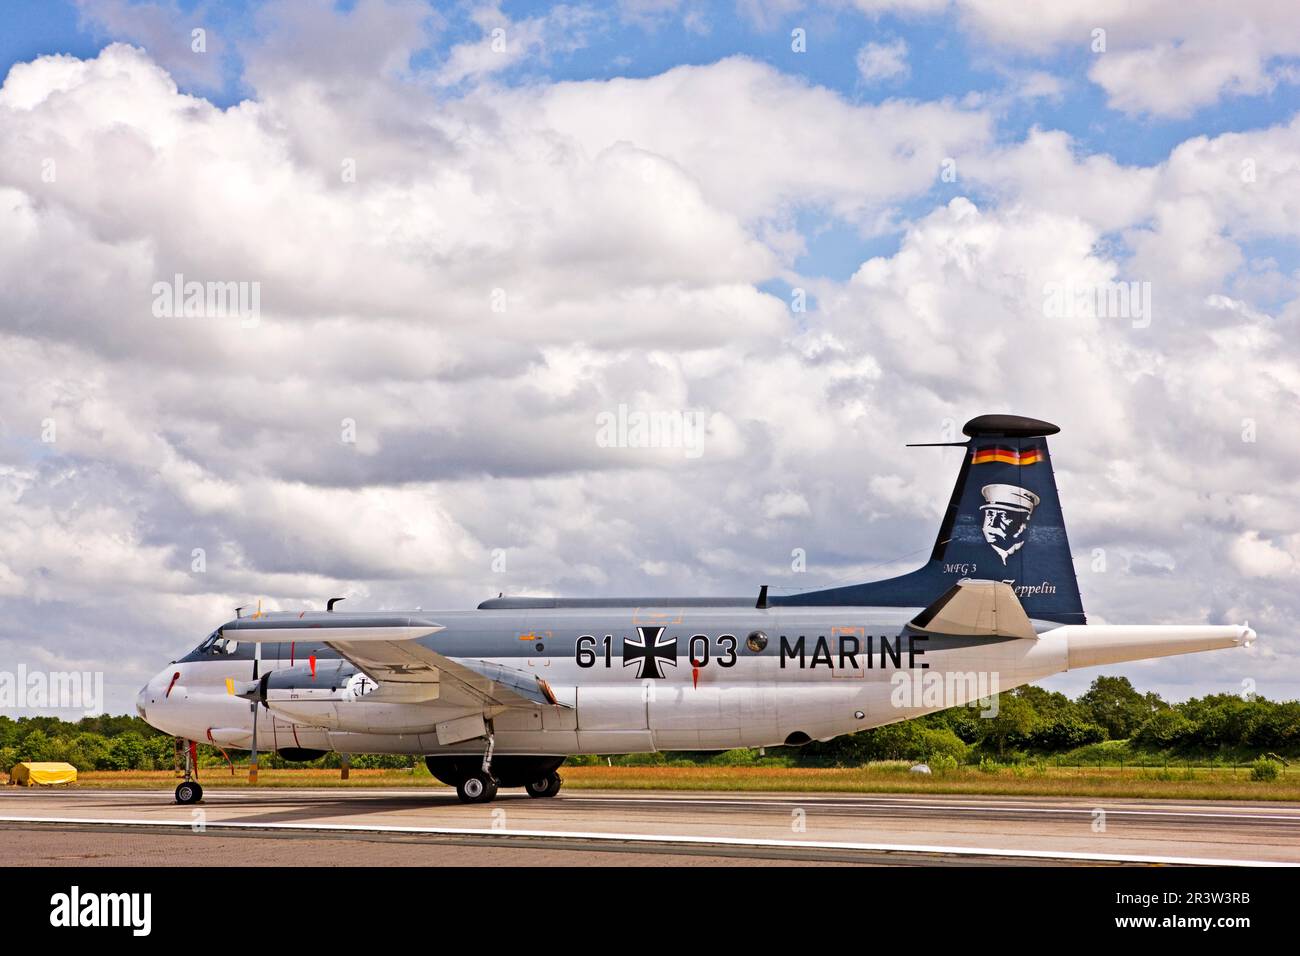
[[261, 693], [254, 691]]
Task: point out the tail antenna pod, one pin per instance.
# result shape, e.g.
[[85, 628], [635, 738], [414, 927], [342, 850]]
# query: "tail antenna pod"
[[329, 605]]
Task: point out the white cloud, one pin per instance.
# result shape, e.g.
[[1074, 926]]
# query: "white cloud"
[[505, 43], [1260, 558], [771, 142], [883, 61], [1166, 58], [785, 504], [628, 226], [184, 41], [1163, 57]]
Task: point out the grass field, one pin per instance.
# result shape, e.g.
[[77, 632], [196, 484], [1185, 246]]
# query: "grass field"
[[1179, 784]]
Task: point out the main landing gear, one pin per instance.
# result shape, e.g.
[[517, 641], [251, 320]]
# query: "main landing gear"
[[537, 775], [547, 786], [478, 787]]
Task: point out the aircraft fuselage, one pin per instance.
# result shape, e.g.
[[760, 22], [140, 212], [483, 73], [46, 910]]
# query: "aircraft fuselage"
[[625, 680]]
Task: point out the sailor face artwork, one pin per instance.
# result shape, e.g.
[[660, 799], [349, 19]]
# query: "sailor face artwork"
[[1007, 510]]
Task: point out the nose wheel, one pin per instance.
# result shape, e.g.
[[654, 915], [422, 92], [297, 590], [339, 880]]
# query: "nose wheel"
[[189, 792]]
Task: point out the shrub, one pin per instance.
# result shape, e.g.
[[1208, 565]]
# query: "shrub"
[[909, 740], [943, 763], [1263, 769]]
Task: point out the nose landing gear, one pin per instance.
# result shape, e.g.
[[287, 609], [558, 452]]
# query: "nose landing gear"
[[188, 790]]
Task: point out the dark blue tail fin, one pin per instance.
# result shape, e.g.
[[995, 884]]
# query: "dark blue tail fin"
[[1003, 523]]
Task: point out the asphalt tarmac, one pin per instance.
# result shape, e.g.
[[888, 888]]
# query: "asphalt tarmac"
[[429, 827]]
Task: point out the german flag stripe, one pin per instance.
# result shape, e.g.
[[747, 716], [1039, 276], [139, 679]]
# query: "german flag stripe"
[[1006, 456]]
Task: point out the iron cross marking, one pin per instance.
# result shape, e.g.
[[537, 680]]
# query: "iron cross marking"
[[648, 651]]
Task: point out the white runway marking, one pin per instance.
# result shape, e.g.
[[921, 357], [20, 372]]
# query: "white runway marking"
[[671, 840], [1000, 808], [757, 801], [766, 800]]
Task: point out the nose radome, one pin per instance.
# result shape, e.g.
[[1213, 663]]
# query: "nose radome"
[[139, 701]]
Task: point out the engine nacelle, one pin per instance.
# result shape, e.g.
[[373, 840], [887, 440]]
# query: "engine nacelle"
[[356, 716], [335, 695]]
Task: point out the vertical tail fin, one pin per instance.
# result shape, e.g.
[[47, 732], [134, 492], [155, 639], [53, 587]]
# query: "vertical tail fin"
[[1003, 523]]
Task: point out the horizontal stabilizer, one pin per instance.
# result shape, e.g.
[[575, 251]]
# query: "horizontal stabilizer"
[[978, 609], [1096, 644]]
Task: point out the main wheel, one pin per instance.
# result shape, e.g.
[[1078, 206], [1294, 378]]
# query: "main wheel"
[[189, 792], [548, 786], [478, 787]]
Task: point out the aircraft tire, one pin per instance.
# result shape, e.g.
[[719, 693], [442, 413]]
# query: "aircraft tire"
[[189, 791], [477, 787], [548, 786]]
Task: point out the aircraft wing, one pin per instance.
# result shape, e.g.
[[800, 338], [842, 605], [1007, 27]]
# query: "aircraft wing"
[[390, 652], [407, 661], [977, 609]]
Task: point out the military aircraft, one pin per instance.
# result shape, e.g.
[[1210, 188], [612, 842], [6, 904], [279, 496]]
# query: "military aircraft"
[[501, 695]]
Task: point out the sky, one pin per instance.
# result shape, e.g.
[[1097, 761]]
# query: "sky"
[[468, 233]]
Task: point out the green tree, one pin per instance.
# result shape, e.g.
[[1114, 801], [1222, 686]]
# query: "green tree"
[[1049, 705], [1014, 722], [1114, 704], [88, 751], [1065, 732], [127, 752], [1278, 727], [1164, 730]]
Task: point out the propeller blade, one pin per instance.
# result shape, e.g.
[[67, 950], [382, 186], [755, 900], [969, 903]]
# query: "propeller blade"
[[260, 692]]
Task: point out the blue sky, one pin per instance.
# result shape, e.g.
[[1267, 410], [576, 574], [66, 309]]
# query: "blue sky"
[[945, 61]]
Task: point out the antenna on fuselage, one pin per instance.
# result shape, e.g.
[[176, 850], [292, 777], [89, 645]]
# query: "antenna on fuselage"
[[239, 611], [762, 598], [329, 605]]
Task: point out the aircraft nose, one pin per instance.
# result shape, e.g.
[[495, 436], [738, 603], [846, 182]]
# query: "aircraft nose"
[[151, 694]]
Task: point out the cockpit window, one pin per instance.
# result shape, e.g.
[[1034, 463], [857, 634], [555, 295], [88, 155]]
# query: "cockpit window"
[[218, 644]]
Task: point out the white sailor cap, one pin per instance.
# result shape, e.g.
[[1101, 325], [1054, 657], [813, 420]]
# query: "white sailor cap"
[[1009, 498]]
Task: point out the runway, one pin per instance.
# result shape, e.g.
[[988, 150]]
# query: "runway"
[[609, 828]]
